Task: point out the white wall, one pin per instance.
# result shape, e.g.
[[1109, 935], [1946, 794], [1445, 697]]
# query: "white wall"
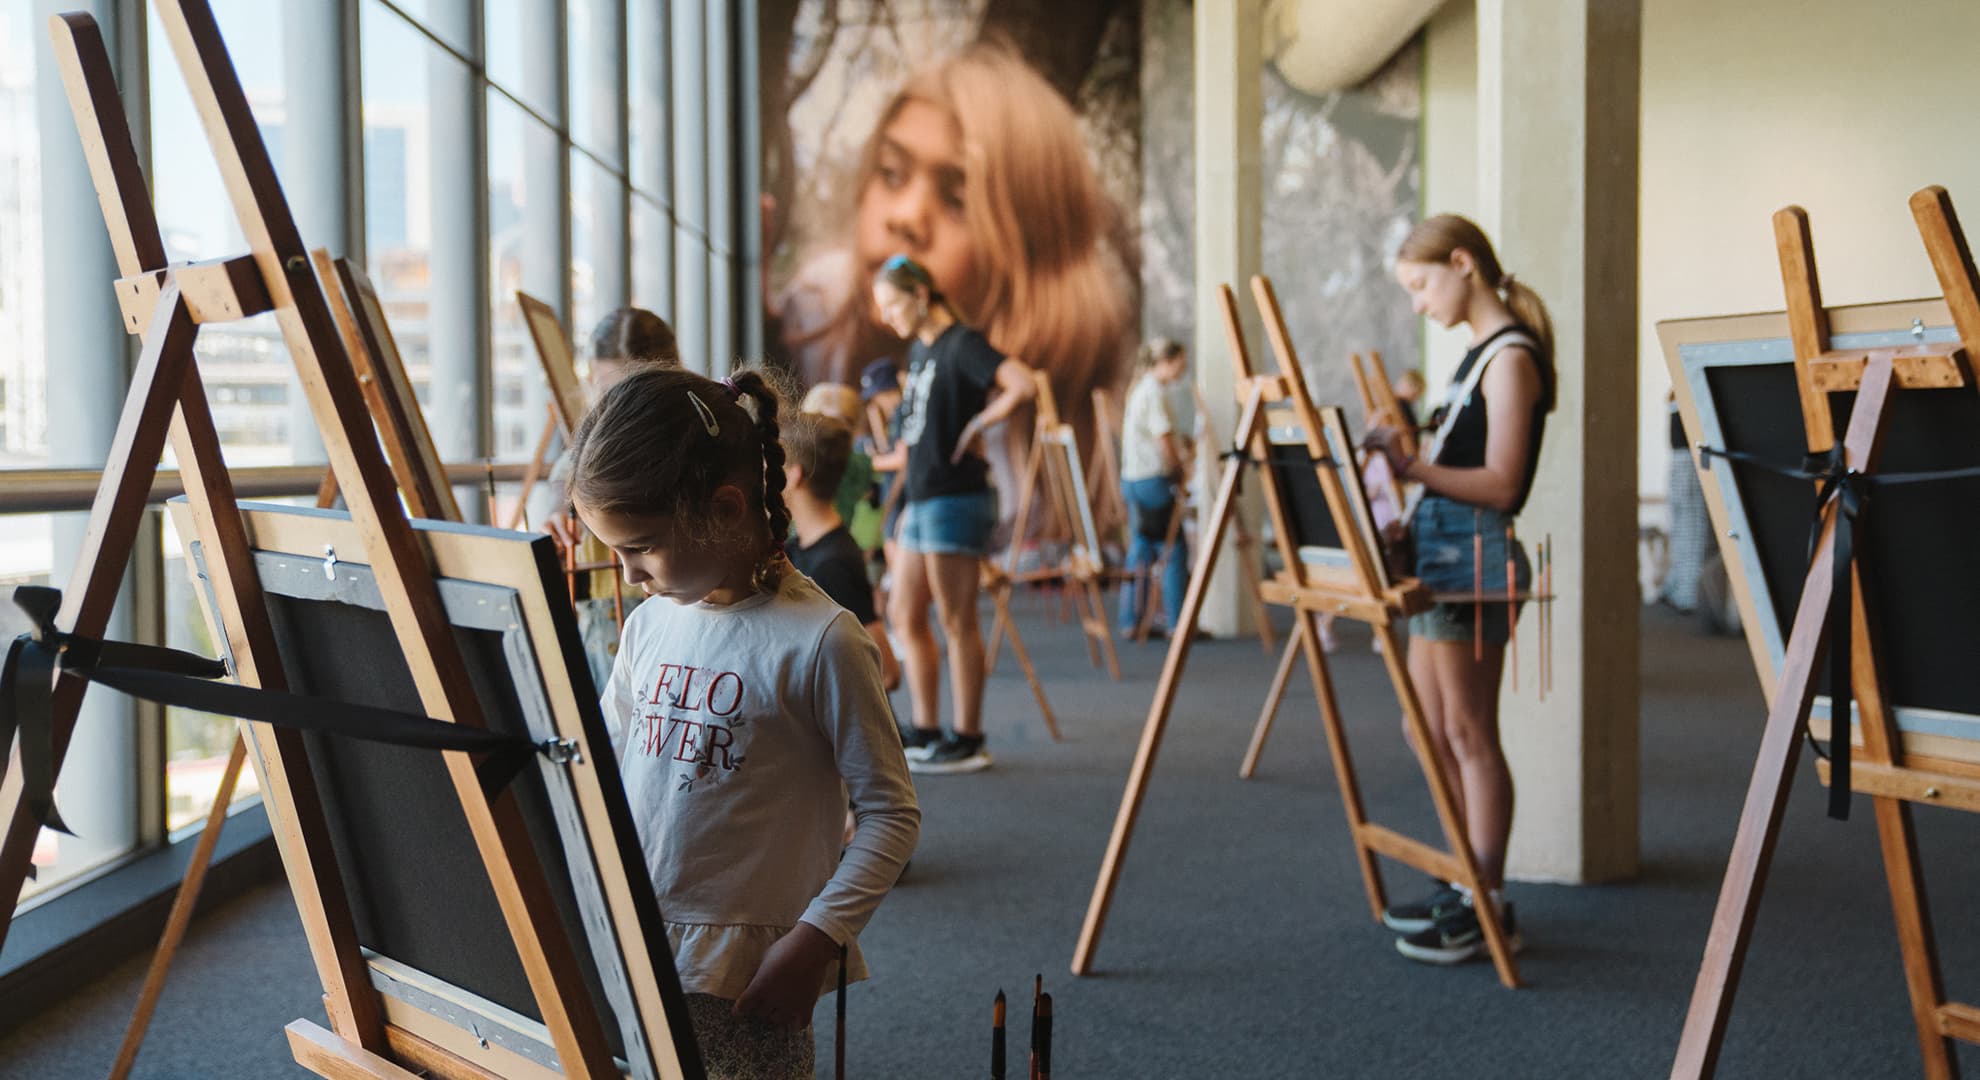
[[1841, 106]]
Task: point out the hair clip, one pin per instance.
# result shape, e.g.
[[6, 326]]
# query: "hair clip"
[[730, 388], [707, 414]]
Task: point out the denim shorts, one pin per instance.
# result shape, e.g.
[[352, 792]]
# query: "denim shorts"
[[1443, 532], [949, 524]]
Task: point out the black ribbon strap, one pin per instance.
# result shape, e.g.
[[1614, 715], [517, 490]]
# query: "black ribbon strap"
[[172, 677], [1849, 491]]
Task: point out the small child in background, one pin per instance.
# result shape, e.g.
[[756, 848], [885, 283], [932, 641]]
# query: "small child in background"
[[1409, 391], [815, 452], [855, 495], [746, 711], [623, 341]]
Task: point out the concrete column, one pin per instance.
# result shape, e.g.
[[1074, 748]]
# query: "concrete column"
[[1557, 153], [1229, 211], [86, 355], [315, 144], [650, 73], [457, 339]]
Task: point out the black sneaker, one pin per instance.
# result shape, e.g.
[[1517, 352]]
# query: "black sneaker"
[[1422, 914], [1457, 937], [918, 742], [955, 754]]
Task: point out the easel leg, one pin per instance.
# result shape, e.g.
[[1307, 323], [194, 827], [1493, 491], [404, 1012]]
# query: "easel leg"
[[1272, 698], [1002, 597], [1307, 634], [1158, 713], [182, 912], [1915, 938], [1098, 626], [1464, 861]]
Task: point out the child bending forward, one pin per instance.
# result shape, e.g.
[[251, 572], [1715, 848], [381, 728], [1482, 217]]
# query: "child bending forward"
[[746, 711]]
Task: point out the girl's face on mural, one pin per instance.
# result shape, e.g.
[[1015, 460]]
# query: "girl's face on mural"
[[914, 203], [1439, 291]]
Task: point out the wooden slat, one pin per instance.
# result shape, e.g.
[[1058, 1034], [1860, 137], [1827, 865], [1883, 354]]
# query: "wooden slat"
[[1342, 759], [1273, 694], [1960, 1021], [1952, 260], [1916, 367], [1911, 785], [215, 291], [118, 176], [1409, 851], [334, 1058], [1808, 322]]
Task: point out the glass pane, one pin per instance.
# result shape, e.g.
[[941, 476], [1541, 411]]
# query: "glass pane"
[[452, 21], [196, 743], [94, 790], [598, 243], [249, 378], [595, 77], [525, 236], [652, 258], [419, 180], [522, 40], [646, 96], [23, 364]]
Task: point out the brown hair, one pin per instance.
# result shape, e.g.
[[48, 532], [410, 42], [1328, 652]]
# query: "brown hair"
[[636, 335], [820, 446], [1435, 238], [1154, 351], [664, 439]]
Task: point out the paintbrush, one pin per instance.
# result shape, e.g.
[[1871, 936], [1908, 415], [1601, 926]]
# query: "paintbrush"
[[997, 1037], [839, 1033], [1477, 589], [1512, 603], [1045, 1037]]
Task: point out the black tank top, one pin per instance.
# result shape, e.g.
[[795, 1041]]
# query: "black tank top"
[[1464, 447]]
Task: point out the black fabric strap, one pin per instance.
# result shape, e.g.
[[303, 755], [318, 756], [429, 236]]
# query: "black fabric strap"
[[172, 677], [1850, 492]]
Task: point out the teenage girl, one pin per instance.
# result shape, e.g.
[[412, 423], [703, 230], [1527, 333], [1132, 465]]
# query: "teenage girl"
[[945, 526], [1154, 462], [1476, 471], [746, 709]]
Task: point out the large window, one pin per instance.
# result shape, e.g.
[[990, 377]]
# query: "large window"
[[460, 150]]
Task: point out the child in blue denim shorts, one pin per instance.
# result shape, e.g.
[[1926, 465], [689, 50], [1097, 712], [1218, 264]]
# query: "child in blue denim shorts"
[[1476, 471]]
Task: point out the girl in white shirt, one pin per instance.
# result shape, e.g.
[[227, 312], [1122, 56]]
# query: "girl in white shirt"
[[746, 712]]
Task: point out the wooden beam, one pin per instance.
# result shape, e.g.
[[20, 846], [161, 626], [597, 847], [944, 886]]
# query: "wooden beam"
[[1917, 367], [215, 291], [325, 1054]]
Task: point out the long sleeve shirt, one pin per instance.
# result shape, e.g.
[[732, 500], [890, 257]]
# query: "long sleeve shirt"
[[742, 731]]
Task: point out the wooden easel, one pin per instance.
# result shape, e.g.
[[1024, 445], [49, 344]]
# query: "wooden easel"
[[1103, 477], [1358, 590], [546, 331], [166, 393], [422, 482], [1054, 463], [1882, 771]]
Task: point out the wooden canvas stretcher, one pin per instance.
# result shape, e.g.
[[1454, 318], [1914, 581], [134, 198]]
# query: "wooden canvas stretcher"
[[1292, 442], [1914, 405], [366, 1037]]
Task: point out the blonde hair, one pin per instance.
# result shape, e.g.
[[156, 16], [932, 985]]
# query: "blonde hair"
[[1036, 214], [836, 400], [1435, 238]]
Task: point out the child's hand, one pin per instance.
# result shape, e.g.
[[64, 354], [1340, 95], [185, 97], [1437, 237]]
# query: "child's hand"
[[785, 987]]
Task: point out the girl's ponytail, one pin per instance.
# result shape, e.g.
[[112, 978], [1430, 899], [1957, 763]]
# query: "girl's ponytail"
[[754, 386], [1528, 308]]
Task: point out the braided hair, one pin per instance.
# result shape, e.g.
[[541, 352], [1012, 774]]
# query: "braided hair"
[[664, 439]]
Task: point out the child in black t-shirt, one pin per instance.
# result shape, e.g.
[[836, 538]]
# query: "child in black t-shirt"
[[816, 449]]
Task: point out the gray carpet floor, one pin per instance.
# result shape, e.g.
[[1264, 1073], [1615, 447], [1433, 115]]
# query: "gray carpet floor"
[[1240, 942]]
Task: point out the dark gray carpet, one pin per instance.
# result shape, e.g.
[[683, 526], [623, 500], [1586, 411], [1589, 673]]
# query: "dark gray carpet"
[[1240, 943]]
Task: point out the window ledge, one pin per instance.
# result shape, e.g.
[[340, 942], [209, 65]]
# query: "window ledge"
[[78, 937]]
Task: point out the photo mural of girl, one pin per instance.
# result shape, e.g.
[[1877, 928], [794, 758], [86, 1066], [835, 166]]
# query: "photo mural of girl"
[[978, 170]]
